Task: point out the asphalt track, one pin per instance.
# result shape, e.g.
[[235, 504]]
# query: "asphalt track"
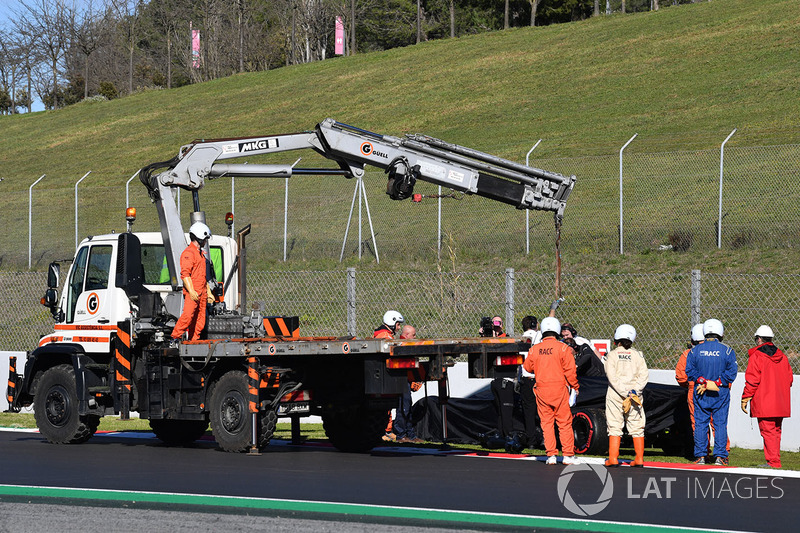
[[394, 488]]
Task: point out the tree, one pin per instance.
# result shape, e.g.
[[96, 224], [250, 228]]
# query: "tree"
[[27, 40], [127, 13], [49, 20], [535, 7], [87, 29]]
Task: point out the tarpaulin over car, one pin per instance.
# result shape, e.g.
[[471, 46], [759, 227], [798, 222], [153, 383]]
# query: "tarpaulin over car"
[[468, 417]]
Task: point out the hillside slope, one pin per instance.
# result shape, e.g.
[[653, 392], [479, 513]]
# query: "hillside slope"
[[681, 78]]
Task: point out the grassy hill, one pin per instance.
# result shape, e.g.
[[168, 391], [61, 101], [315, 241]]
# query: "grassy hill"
[[681, 78]]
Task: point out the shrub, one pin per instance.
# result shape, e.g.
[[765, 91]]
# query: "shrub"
[[108, 90], [681, 240], [742, 239]]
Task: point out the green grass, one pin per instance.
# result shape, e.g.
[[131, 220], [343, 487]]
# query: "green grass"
[[739, 457], [681, 78]]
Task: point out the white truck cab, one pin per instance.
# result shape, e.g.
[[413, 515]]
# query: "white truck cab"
[[91, 305]]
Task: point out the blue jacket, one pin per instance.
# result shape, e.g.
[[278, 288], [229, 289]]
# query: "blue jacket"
[[712, 360]]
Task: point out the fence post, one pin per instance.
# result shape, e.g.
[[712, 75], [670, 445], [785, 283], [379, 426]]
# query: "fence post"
[[721, 158], [127, 197], [509, 301], [621, 247], [30, 218], [76, 206], [528, 211], [695, 302], [285, 217], [439, 226], [351, 301]]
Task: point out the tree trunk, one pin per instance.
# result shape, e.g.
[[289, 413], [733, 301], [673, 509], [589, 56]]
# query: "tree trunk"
[[505, 17], [452, 19], [241, 35], [55, 84], [352, 27], [30, 98], [623, 6], [130, 70], [86, 78], [169, 60], [419, 23], [596, 8], [534, 8]]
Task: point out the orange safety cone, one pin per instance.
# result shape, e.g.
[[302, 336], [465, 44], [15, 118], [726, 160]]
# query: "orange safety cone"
[[613, 451]]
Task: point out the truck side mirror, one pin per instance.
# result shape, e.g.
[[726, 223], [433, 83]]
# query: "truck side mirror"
[[53, 272], [50, 298]]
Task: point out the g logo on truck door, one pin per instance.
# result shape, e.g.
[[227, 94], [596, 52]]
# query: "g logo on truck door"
[[345, 348], [92, 303], [366, 148]]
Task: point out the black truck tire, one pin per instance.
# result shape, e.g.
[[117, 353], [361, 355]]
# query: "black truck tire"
[[354, 429], [178, 432], [55, 408], [231, 420], [591, 431]]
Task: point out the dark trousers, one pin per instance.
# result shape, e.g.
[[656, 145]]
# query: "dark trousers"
[[503, 399], [403, 427], [529, 409]]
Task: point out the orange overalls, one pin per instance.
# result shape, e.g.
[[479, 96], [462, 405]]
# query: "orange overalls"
[[683, 381], [383, 332], [553, 363], [193, 317]]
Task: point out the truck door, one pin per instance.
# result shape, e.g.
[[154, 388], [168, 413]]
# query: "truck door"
[[88, 321]]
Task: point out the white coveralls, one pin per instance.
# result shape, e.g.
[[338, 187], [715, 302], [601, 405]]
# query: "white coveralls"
[[626, 371]]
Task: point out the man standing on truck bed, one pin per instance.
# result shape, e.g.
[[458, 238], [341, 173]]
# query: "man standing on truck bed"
[[196, 292], [386, 330]]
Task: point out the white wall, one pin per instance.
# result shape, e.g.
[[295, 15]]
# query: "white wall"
[[742, 430]]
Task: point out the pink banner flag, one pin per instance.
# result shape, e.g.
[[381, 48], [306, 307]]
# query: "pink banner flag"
[[339, 47], [196, 48]]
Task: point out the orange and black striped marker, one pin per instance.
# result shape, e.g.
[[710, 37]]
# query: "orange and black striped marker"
[[122, 366], [282, 326], [11, 392], [252, 383]]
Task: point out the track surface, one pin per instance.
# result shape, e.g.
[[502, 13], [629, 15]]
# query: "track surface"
[[709, 499]]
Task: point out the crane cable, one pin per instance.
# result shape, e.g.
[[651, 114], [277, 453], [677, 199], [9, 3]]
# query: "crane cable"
[[558, 219]]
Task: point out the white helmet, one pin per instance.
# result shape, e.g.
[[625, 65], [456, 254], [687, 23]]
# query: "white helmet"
[[712, 326], [392, 318], [200, 231], [625, 331], [697, 333], [551, 324], [765, 332]]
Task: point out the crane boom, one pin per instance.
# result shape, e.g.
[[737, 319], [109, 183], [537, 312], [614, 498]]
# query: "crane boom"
[[405, 160]]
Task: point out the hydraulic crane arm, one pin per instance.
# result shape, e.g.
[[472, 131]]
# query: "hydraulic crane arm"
[[405, 160]]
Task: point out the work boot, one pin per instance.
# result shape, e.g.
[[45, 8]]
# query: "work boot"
[[638, 447], [613, 451]]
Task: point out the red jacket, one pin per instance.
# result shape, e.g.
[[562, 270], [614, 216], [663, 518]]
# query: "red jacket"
[[768, 381]]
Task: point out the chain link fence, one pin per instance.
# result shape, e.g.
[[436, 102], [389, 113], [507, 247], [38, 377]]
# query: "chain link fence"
[[662, 307], [669, 199]]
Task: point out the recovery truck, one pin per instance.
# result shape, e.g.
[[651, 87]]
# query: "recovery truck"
[[110, 354]]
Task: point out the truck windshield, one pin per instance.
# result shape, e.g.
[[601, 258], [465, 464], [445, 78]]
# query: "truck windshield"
[[154, 263]]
